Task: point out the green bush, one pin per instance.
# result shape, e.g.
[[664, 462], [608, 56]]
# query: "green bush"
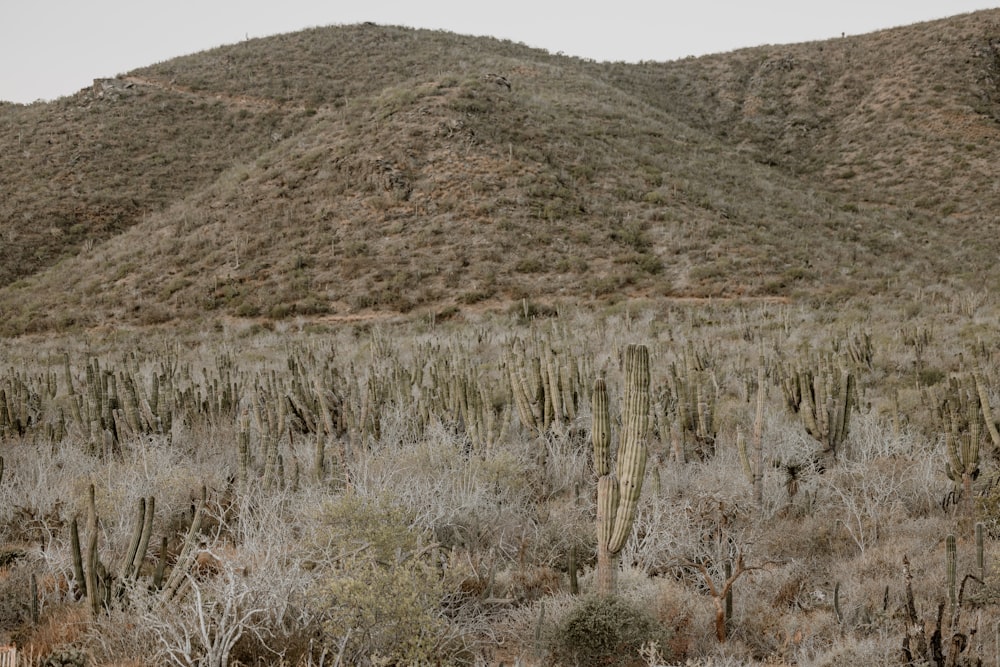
[[605, 631], [384, 598]]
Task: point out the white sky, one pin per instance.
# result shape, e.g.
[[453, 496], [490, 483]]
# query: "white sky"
[[51, 48]]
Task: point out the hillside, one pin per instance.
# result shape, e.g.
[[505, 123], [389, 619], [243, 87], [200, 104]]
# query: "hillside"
[[347, 170]]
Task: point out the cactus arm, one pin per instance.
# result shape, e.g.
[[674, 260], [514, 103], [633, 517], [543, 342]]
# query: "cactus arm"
[[145, 528], [133, 546], [601, 428]]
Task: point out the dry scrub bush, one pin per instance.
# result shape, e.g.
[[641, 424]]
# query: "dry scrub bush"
[[247, 599], [506, 499], [383, 598], [605, 630]]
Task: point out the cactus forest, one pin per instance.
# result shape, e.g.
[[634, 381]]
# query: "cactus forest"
[[743, 483]]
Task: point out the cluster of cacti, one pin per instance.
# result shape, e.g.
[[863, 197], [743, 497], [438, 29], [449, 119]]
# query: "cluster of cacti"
[[101, 585], [860, 350], [112, 406], [20, 406], [927, 644], [618, 489], [338, 404], [952, 405], [545, 385], [485, 420], [962, 445], [823, 397], [687, 407]]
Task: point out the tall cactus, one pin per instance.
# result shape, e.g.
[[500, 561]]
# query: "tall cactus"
[[93, 579], [618, 491], [962, 466], [754, 470]]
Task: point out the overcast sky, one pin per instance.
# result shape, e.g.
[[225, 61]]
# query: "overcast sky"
[[51, 48]]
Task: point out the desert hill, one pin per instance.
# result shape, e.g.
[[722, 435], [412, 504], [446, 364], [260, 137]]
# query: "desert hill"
[[365, 168]]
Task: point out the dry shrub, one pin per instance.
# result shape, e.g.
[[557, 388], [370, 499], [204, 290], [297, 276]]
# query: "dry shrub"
[[384, 598], [15, 606], [60, 627], [605, 631], [687, 618], [530, 583]]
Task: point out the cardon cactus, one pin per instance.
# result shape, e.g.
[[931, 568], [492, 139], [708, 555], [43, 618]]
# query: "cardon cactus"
[[618, 490]]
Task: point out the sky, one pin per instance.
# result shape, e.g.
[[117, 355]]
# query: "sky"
[[53, 48]]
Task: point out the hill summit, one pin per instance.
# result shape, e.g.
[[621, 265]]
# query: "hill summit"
[[374, 169]]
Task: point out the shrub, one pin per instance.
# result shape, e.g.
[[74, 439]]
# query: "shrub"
[[605, 631], [384, 598]]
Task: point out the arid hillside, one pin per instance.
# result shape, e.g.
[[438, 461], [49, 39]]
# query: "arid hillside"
[[369, 169]]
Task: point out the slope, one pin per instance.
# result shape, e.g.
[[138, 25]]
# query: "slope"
[[367, 168], [898, 121]]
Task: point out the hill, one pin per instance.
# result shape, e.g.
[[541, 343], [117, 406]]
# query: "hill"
[[358, 169]]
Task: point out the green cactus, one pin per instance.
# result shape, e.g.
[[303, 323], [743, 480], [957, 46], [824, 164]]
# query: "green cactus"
[[984, 402], [618, 491], [688, 404], [962, 466], [93, 578]]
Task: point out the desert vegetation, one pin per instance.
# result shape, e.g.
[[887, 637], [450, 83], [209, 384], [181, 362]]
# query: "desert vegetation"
[[425, 492], [377, 346]]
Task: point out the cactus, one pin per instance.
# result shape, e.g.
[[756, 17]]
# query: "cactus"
[[755, 470], [836, 604], [574, 584], [823, 399], [980, 554], [984, 402], [485, 423], [174, 582], [951, 569], [618, 491], [544, 387], [93, 579], [962, 466], [688, 406]]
